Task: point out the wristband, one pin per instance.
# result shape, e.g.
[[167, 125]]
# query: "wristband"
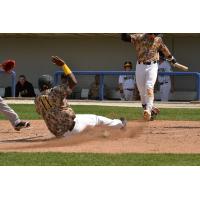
[[66, 69]]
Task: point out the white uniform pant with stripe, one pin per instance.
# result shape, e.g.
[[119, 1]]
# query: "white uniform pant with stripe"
[[82, 121], [9, 113], [146, 76]]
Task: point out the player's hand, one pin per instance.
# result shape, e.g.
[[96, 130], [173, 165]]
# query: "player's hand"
[[58, 61]]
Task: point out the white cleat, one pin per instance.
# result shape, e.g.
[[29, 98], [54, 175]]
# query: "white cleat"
[[147, 115]]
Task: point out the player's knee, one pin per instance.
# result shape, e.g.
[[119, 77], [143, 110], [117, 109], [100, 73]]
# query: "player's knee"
[[150, 92]]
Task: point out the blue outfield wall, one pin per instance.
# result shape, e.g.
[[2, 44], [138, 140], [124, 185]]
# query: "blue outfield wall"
[[102, 74]]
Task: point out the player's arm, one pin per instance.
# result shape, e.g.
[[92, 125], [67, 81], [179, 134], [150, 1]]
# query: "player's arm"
[[163, 48], [61, 63]]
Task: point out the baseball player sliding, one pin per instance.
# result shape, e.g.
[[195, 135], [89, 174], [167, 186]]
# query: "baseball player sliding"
[[147, 47], [59, 117]]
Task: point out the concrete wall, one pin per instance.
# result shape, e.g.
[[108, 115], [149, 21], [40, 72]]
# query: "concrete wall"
[[88, 53], [33, 54]]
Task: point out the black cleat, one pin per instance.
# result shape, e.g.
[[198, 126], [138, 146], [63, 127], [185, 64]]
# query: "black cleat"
[[154, 112], [124, 122], [22, 124]]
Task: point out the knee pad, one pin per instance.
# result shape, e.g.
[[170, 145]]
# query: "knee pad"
[[150, 92]]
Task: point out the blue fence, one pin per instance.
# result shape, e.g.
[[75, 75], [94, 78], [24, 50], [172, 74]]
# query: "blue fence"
[[13, 80], [117, 73]]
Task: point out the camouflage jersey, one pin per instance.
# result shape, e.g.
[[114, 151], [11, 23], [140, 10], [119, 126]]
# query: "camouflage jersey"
[[52, 105], [147, 49]]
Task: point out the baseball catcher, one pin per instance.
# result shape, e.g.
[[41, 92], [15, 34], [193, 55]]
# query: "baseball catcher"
[[59, 117]]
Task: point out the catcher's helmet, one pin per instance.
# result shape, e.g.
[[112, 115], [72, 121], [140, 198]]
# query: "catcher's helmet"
[[128, 64], [45, 82]]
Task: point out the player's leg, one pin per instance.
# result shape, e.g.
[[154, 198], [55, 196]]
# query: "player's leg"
[[117, 123], [166, 91], [151, 76], [161, 92], [128, 95], [9, 113], [140, 81], [12, 116], [82, 121]]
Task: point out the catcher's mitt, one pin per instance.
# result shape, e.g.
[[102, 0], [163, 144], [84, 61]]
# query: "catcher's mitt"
[[8, 65]]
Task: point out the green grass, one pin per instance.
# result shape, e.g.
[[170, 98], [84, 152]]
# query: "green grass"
[[28, 112], [89, 159]]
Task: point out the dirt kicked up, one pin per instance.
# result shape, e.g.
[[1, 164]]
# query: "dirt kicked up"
[[138, 137]]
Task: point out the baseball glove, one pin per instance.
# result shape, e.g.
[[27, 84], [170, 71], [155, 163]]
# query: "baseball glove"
[[8, 65]]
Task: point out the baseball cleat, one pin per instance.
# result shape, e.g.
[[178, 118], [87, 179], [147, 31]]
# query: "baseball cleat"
[[124, 122], [22, 124], [147, 115], [154, 112]]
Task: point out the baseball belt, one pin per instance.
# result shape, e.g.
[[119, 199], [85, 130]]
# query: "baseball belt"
[[129, 89], [163, 83], [148, 63]]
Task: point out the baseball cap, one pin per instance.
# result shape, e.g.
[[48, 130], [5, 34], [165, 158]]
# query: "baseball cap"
[[128, 64]]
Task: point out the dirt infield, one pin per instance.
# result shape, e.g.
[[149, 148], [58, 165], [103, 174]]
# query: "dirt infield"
[[138, 137]]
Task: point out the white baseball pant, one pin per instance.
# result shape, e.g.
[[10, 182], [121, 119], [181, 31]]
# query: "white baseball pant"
[[128, 95], [165, 91], [82, 121], [9, 113], [146, 76]]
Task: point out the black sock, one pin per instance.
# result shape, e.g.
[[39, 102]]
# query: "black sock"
[[144, 106]]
